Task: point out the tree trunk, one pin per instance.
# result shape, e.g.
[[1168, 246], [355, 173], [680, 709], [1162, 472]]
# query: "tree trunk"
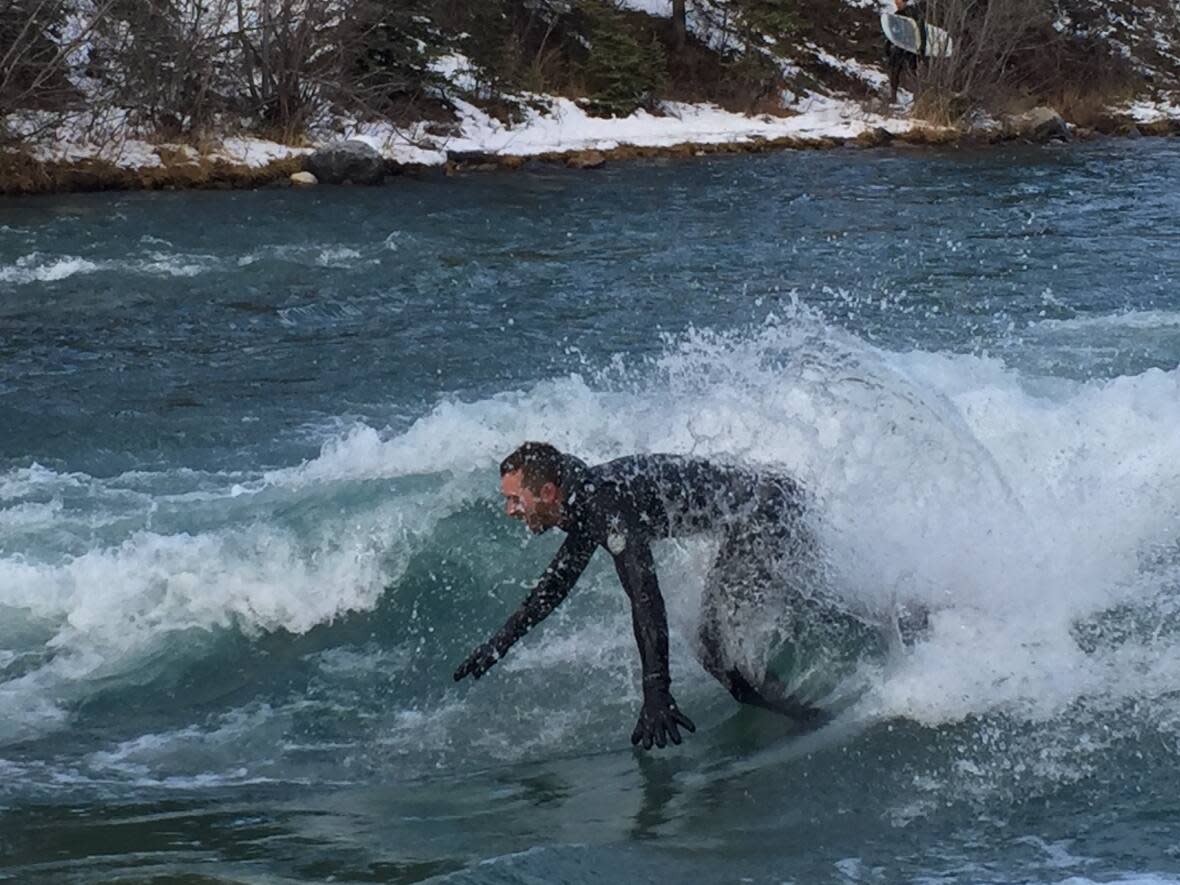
[[679, 24]]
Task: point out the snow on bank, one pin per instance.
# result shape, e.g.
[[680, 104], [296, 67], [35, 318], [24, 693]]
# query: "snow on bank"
[[851, 68], [81, 137], [567, 127], [562, 127], [132, 153], [1153, 110], [254, 152], [559, 125], [547, 124]]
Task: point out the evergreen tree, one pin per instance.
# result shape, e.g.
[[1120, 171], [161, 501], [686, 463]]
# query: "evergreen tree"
[[622, 71]]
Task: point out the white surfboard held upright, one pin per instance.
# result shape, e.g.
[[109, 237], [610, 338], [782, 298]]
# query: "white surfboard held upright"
[[903, 31]]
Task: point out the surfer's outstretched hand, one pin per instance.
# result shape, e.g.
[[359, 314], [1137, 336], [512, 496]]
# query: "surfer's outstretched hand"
[[659, 720], [478, 662]]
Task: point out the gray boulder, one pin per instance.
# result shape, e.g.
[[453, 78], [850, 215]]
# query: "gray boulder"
[[346, 162], [1039, 124]]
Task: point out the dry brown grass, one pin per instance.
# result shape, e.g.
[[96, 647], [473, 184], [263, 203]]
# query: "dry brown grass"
[[22, 174], [1090, 107]]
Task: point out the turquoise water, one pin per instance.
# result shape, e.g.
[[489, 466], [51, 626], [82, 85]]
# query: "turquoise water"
[[249, 520]]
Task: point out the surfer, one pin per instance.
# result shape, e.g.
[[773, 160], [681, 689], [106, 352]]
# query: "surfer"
[[900, 60], [624, 505]]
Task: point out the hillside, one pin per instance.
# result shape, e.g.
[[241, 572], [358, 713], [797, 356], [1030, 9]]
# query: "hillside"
[[140, 93]]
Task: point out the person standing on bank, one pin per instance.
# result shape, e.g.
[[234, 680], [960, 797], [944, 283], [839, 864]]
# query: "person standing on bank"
[[623, 506], [900, 60]]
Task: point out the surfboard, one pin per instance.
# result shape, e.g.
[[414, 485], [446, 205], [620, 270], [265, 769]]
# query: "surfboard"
[[902, 31]]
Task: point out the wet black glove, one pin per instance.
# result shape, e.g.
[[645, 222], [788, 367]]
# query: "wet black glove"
[[658, 720], [479, 661]]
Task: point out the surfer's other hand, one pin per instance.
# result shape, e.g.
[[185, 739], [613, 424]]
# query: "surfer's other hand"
[[478, 662], [660, 721]]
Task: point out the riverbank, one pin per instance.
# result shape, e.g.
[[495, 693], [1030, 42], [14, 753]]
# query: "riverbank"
[[727, 91], [561, 134]]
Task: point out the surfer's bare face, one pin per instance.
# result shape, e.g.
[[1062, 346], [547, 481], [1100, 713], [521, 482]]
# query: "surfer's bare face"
[[540, 510]]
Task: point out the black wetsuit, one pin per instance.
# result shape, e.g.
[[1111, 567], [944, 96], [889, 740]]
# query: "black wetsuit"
[[626, 504]]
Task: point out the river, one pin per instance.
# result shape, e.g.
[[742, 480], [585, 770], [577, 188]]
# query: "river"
[[249, 520]]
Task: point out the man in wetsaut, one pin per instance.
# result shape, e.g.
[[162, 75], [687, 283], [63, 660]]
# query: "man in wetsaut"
[[624, 505], [897, 59]]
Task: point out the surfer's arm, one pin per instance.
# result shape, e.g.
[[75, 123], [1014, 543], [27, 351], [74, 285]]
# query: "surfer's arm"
[[551, 590], [660, 716]]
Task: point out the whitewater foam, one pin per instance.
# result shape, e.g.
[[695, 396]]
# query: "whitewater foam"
[[32, 268], [949, 480], [38, 268], [1132, 319], [1012, 506]]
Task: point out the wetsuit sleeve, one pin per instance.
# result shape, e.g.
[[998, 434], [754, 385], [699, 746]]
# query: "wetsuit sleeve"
[[637, 572], [551, 590]]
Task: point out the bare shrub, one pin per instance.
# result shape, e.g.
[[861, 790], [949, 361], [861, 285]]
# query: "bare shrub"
[[31, 63], [44, 61], [171, 62], [288, 50], [1008, 56]]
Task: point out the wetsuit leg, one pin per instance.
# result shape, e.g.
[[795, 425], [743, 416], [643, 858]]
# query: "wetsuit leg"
[[743, 580], [899, 61], [719, 610], [894, 62]]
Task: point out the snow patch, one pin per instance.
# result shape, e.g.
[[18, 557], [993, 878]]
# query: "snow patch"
[[1153, 110], [255, 152], [568, 127], [851, 68]]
